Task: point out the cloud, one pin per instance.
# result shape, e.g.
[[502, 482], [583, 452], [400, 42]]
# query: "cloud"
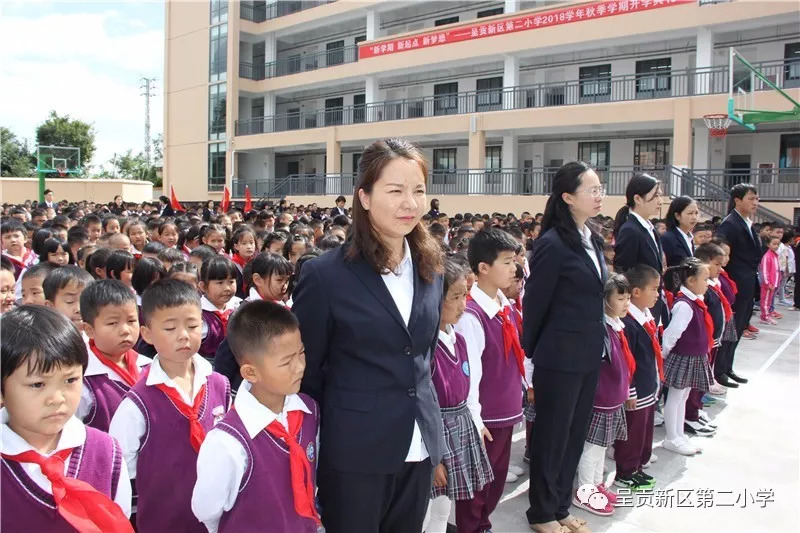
[[87, 65]]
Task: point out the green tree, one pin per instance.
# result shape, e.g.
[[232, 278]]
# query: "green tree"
[[15, 159], [65, 131], [158, 148], [129, 166]]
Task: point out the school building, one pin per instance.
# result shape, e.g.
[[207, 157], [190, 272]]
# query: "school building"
[[282, 96]]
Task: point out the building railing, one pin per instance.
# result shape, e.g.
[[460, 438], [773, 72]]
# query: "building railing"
[[261, 11], [689, 82], [297, 64]]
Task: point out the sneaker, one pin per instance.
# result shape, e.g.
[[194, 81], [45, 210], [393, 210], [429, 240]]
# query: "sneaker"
[[709, 400], [705, 419], [608, 510], [631, 483], [511, 477], [516, 470], [653, 459], [612, 496], [680, 447], [717, 390], [777, 315], [697, 449], [644, 481], [698, 428], [658, 419], [749, 335], [786, 303], [752, 329], [769, 321], [526, 458]]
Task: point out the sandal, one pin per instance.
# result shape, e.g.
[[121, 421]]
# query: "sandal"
[[542, 528], [575, 524]]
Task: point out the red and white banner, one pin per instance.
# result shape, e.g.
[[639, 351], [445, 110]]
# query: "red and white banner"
[[532, 21]]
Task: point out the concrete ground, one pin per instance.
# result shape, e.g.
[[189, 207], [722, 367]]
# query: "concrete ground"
[[748, 476]]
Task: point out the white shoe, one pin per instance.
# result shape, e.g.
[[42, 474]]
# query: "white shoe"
[[700, 429], [653, 459], [697, 449], [717, 390], [705, 420], [511, 477], [516, 470], [679, 447], [658, 419]]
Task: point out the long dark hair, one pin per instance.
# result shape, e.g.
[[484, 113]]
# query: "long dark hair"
[[364, 240], [640, 185], [677, 206], [557, 214]]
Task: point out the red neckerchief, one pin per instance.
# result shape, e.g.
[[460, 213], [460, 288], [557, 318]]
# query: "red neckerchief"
[[626, 351], [223, 317], [186, 251], [80, 504], [650, 328], [511, 339], [709, 322], [670, 299], [725, 275], [299, 466], [129, 374], [239, 260], [726, 307], [192, 412], [23, 263]]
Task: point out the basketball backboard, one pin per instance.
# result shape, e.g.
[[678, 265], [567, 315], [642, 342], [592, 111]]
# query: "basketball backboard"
[[60, 160]]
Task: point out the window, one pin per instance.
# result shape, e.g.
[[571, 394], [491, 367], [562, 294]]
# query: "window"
[[494, 157], [333, 111], [595, 81], [359, 108], [356, 159], [217, 110], [448, 20], [219, 11], [651, 154], [791, 56], [654, 76], [444, 165], [218, 53], [490, 12], [595, 153], [360, 39], [445, 98], [790, 151], [335, 54], [216, 166], [490, 93]]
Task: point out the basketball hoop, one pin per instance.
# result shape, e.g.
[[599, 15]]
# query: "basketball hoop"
[[61, 171], [717, 125]]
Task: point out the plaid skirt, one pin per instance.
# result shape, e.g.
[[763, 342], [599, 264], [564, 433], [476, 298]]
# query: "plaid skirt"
[[607, 426], [729, 333], [687, 371], [529, 412], [468, 468]]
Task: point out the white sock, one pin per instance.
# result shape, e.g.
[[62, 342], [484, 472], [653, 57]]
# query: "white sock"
[[587, 466], [437, 514], [674, 412]]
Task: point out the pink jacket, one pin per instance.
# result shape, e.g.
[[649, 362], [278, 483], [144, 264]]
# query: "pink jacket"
[[768, 269]]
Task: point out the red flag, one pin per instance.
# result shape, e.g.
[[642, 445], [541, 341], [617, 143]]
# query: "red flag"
[[173, 200], [226, 200], [248, 202]]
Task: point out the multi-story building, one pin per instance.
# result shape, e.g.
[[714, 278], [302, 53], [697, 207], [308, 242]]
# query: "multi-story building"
[[283, 96]]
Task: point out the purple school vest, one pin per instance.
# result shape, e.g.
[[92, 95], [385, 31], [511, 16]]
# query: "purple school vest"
[[612, 382], [166, 469], [215, 336], [107, 395], [501, 384], [727, 290], [27, 507], [450, 373], [693, 341], [265, 500]]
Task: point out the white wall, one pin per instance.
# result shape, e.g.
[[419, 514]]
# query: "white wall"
[[761, 147]]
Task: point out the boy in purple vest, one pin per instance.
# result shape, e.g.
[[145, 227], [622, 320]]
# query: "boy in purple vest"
[[496, 366], [163, 419], [258, 465], [48, 454], [111, 321]]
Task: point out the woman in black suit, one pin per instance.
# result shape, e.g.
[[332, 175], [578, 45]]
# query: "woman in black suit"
[[564, 333], [678, 241], [369, 316]]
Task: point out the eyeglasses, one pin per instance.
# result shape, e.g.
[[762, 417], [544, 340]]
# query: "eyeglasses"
[[595, 192]]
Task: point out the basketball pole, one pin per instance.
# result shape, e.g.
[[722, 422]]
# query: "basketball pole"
[[41, 186]]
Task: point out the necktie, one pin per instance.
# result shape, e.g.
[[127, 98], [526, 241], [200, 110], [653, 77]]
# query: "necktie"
[[299, 466], [732, 283], [626, 351], [650, 327], [726, 307], [81, 505], [196, 431], [223, 317], [511, 339], [708, 321], [129, 374]]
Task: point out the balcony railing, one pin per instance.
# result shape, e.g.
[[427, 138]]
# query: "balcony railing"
[[295, 65], [706, 185], [690, 82], [261, 11]]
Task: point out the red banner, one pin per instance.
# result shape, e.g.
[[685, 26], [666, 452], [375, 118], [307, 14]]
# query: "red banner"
[[531, 21]]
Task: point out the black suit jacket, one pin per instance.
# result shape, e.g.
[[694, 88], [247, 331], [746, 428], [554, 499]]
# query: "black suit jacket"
[[745, 246], [675, 247], [633, 246], [563, 309], [168, 211], [368, 371]]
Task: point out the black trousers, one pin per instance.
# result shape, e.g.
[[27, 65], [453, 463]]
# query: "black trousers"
[[563, 412], [743, 311], [373, 503]]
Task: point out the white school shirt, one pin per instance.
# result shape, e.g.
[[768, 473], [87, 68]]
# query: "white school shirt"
[[73, 434], [400, 283], [688, 238], [586, 239], [95, 368], [222, 461], [469, 327], [448, 338], [128, 425], [682, 314], [648, 226], [206, 305]]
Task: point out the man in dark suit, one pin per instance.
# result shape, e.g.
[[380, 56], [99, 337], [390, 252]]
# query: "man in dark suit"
[[339, 209], [49, 199], [166, 207], [737, 229]]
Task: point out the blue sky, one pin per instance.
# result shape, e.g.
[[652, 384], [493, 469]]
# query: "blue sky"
[[84, 59]]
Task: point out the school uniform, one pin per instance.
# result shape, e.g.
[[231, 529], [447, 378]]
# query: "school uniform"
[[239, 263], [142, 346], [103, 390], [713, 302], [27, 502], [632, 454], [677, 245], [156, 443], [243, 470], [215, 325], [495, 396], [21, 263], [686, 344]]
